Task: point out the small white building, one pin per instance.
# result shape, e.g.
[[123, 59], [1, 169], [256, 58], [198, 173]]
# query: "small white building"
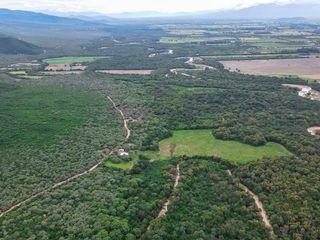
[[123, 153]]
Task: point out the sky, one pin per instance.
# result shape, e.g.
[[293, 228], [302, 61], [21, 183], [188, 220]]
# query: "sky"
[[117, 6]]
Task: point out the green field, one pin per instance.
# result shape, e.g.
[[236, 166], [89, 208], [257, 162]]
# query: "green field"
[[122, 165], [71, 60], [202, 143]]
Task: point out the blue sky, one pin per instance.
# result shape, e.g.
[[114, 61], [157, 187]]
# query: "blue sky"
[[116, 6]]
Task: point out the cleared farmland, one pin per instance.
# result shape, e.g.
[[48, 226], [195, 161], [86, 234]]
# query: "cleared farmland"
[[303, 67]]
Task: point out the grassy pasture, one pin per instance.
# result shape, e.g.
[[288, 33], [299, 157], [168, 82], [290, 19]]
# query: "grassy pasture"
[[71, 60], [18, 73], [202, 143], [121, 165], [126, 165]]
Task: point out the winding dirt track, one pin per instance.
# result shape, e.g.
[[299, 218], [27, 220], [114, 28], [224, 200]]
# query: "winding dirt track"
[[60, 183], [164, 208], [259, 205], [125, 121]]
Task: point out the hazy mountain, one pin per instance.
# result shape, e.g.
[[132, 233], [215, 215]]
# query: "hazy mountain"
[[10, 45], [86, 16], [144, 14], [269, 11], [262, 11], [25, 17]]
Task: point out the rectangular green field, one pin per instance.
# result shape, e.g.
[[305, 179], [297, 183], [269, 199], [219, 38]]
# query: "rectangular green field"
[[71, 60], [203, 143]]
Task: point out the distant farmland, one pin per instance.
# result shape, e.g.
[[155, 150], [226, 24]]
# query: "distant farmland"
[[308, 68]]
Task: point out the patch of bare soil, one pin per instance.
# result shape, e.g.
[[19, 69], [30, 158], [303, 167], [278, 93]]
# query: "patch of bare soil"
[[136, 72], [305, 91], [315, 131], [196, 65], [199, 67], [303, 67], [66, 67]]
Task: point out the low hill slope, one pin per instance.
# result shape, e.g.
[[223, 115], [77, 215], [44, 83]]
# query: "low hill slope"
[[10, 45]]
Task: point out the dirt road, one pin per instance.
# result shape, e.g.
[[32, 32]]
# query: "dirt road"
[[258, 204], [125, 121], [164, 208], [60, 183]]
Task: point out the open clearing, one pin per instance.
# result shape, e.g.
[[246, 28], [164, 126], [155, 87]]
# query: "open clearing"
[[136, 72], [305, 91], [71, 60], [314, 130], [121, 165], [202, 143], [302, 67]]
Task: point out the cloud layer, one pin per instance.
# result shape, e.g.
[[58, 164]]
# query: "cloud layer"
[[114, 6]]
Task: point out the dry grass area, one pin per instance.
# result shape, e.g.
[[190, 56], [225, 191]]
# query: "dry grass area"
[[302, 67], [137, 72]]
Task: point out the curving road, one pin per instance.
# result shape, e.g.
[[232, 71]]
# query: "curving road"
[[259, 205]]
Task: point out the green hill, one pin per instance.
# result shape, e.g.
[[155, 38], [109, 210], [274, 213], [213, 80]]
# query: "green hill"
[[10, 45]]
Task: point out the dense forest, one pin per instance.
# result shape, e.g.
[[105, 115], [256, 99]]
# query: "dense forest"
[[208, 205], [290, 189], [57, 126]]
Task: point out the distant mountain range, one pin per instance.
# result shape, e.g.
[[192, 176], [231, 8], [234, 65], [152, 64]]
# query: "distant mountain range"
[[270, 11], [262, 11], [25, 17]]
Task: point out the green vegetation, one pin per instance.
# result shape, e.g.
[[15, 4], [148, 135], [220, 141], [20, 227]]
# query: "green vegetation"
[[122, 165], [107, 204], [18, 72], [72, 60], [35, 115], [208, 205], [56, 128], [175, 40], [290, 189], [30, 77], [10, 45], [49, 132], [202, 143]]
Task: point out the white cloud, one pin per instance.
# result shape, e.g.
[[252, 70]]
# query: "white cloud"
[[113, 6]]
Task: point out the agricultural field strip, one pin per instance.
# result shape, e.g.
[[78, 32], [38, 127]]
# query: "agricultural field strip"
[[258, 204], [60, 183], [303, 67]]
